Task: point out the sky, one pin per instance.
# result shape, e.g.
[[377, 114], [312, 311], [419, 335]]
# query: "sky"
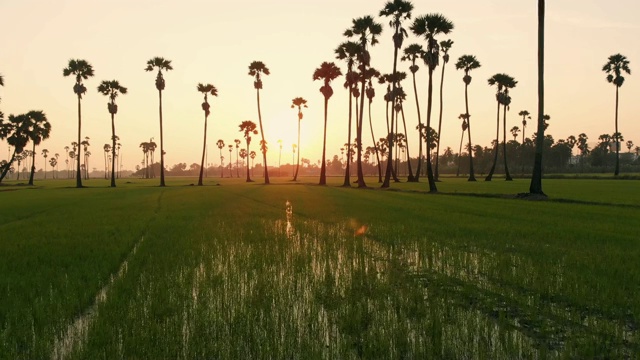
[[215, 41]]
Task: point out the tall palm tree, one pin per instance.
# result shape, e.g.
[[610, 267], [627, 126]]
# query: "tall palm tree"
[[371, 93], [397, 10], [45, 154], [412, 53], [152, 150], [82, 70], [220, 144], [107, 149], [615, 67], [468, 63], [252, 155], [145, 158], [85, 149], [299, 103], [39, 130], [53, 162], [525, 115], [503, 82], [248, 127], [430, 26], [348, 51], [257, 69], [230, 146], [367, 32], [161, 64], [536, 177], [206, 90], [465, 126], [327, 72], [112, 89], [445, 46], [237, 142]]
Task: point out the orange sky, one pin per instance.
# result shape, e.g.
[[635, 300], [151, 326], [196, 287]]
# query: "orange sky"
[[214, 42]]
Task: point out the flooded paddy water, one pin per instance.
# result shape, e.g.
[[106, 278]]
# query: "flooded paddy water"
[[296, 287]]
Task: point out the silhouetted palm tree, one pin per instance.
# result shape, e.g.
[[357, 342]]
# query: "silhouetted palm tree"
[[615, 67], [412, 53], [237, 142], [371, 93], [145, 158], [299, 103], [248, 127], [256, 69], [160, 64], [503, 83], [468, 63], [348, 51], [327, 72], [112, 89], [39, 129], [367, 31], [53, 162], [230, 146], [536, 177], [82, 70], [220, 144], [444, 48], [252, 155], [430, 26], [206, 90], [398, 10], [107, 149], [465, 125], [45, 154]]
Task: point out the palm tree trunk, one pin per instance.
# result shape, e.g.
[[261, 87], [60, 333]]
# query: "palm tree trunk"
[[536, 177], [295, 177], [161, 142], [504, 143], [375, 146], [617, 171], [33, 164], [347, 174], [437, 174], [466, 104], [323, 167], [204, 149], [406, 141], [522, 151], [78, 173], [416, 178], [389, 171], [496, 147], [432, 182], [113, 151], [360, 173], [264, 153]]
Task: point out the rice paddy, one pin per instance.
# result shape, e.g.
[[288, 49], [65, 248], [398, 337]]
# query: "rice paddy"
[[233, 270]]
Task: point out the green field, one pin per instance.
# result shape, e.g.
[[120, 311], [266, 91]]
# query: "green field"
[[223, 272]]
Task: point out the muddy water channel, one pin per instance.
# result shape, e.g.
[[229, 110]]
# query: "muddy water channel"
[[302, 288]]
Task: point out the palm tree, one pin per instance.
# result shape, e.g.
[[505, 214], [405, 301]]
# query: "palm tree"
[[371, 93], [412, 53], [230, 146], [257, 69], [468, 63], [220, 144], [629, 145], [430, 26], [252, 155], [107, 149], [465, 125], [85, 148], [367, 31], [82, 70], [145, 158], [348, 51], [161, 64], [514, 132], [243, 155], [248, 127], [525, 115], [45, 153], [444, 48], [53, 162], [398, 10], [206, 90], [39, 130], [615, 67], [327, 72], [152, 150], [299, 103], [112, 89], [536, 176], [503, 82], [237, 142]]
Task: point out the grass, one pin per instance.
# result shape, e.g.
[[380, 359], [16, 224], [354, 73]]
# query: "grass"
[[221, 272]]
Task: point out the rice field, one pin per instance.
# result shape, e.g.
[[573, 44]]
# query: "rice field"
[[246, 271]]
